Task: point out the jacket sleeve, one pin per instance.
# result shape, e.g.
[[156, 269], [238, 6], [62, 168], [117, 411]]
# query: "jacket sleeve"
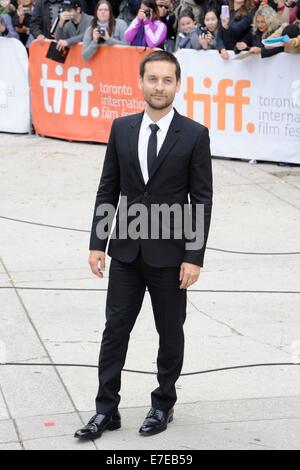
[[155, 32], [108, 190], [89, 47], [118, 37], [201, 193], [36, 21], [133, 29], [195, 41]]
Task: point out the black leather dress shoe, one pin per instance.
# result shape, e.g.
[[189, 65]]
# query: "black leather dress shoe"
[[97, 425], [156, 421]]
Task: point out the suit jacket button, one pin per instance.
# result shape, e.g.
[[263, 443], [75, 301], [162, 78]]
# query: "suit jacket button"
[[146, 194]]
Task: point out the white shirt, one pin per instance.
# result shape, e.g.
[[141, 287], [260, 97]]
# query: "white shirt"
[[144, 137]]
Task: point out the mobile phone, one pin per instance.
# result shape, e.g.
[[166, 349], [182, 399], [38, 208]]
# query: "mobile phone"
[[225, 13]]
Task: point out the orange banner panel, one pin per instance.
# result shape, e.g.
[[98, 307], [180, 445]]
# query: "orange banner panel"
[[79, 100]]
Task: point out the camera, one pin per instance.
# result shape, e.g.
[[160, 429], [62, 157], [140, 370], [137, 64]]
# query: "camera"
[[204, 30], [147, 13], [102, 32]]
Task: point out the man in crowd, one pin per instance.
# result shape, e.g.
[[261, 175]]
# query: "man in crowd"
[[44, 17], [72, 25]]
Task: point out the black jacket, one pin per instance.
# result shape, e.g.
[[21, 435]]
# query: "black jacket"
[[182, 169], [41, 20], [239, 31]]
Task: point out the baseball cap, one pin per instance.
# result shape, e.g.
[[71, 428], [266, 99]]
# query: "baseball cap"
[[71, 4]]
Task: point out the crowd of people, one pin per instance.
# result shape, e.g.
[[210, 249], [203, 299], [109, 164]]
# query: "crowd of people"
[[222, 25]]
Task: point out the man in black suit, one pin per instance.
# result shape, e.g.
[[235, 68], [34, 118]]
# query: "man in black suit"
[[155, 158]]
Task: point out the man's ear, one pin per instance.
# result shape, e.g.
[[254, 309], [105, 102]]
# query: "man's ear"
[[140, 83], [178, 86]]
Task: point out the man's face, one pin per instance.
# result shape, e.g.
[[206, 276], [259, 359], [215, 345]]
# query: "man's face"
[[159, 84]]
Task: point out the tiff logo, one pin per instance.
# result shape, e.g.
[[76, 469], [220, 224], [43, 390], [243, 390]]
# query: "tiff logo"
[[229, 93], [77, 82]]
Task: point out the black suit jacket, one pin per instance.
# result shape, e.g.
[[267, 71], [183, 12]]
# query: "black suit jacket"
[[182, 171]]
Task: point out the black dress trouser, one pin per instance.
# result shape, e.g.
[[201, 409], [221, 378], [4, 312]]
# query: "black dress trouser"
[[126, 291]]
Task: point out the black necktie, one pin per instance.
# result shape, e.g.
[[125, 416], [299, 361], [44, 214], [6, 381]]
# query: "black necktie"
[[152, 146]]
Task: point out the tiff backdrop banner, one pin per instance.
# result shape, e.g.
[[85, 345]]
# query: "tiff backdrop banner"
[[14, 87], [250, 105]]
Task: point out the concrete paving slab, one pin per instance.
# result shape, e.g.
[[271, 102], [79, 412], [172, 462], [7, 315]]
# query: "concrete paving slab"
[[11, 446], [17, 333], [3, 409], [58, 443], [34, 391], [48, 426], [7, 432]]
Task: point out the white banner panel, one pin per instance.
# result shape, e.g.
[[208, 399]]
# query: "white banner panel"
[[251, 106], [14, 87]]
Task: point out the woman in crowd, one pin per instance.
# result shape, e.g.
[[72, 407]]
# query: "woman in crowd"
[[147, 30], [105, 29], [209, 32], [167, 16], [22, 18], [236, 27], [266, 22], [188, 37]]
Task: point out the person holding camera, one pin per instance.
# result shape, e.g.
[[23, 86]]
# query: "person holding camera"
[[209, 30], [104, 30], [147, 30], [188, 36], [73, 23]]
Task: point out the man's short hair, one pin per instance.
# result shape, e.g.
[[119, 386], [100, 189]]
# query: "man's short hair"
[[161, 56]]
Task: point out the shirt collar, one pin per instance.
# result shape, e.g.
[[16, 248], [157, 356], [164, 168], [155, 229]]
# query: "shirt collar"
[[163, 123]]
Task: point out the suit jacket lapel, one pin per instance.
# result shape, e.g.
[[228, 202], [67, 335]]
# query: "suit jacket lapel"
[[170, 141], [135, 127]]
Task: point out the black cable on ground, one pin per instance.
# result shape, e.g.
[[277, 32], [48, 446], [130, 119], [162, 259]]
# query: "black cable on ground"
[[210, 371], [209, 248], [216, 291]]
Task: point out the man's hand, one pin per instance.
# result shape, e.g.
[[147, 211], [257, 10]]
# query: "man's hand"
[[225, 22], [189, 274], [41, 39], [97, 263], [64, 16], [224, 54], [62, 44]]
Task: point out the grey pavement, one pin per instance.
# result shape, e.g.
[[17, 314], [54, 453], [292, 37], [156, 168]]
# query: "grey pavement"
[[244, 310]]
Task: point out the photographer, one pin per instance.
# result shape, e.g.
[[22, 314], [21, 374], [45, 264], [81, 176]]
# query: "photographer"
[[209, 31], [72, 25], [147, 30], [104, 30]]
